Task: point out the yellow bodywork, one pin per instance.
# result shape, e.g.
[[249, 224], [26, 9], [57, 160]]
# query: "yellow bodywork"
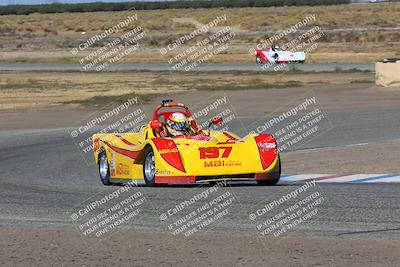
[[125, 155]]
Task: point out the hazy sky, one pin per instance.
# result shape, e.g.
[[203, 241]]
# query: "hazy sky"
[[35, 2]]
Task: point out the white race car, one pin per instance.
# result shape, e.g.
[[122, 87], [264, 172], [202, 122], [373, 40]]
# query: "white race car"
[[276, 54]]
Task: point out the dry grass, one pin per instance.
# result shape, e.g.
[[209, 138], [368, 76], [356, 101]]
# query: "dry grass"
[[257, 19], [28, 90], [355, 28]]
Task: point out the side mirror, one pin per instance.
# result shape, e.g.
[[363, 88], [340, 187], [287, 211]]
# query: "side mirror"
[[217, 120], [156, 125]]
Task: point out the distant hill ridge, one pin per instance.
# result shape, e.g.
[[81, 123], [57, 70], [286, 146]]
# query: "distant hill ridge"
[[100, 6]]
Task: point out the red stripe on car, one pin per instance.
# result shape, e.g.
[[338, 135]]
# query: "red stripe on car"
[[171, 154], [230, 136], [267, 149], [128, 153], [125, 141]]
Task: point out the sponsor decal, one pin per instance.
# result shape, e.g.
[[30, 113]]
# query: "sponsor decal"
[[221, 163], [215, 152], [112, 160], [168, 150], [163, 172], [267, 145], [265, 150], [172, 158], [122, 169], [96, 146]]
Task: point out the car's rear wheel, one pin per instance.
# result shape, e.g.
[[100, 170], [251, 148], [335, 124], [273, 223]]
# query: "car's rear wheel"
[[104, 168], [149, 167], [258, 60], [276, 175]]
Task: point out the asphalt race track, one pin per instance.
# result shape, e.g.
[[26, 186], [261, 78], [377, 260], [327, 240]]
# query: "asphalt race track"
[[43, 177], [349, 218], [205, 67]]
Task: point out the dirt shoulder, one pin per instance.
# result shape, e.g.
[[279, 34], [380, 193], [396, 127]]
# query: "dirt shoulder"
[[353, 33], [45, 247], [35, 90], [41, 109]]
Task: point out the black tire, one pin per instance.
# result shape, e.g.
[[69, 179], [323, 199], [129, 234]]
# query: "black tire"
[[259, 60], [276, 173], [104, 168], [212, 183], [148, 162]]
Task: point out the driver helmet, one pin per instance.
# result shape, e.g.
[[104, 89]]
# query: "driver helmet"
[[177, 124]]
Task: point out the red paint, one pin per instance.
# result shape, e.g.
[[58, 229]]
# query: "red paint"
[[262, 56], [166, 113], [267, 155], [125, 141], [213, 152], [172, 158], [175, 179], [128, 153], [230, 136]]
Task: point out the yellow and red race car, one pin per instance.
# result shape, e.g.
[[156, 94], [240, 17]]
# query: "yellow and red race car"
[[198, 155]]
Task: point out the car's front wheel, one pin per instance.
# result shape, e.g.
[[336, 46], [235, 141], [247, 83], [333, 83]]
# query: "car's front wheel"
[[149, 167], [275, 175], [104, 168]]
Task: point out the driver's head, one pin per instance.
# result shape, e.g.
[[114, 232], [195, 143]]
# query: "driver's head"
[[177, 124]]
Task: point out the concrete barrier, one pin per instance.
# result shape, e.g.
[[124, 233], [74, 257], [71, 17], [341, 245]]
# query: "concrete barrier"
[[387, 74]]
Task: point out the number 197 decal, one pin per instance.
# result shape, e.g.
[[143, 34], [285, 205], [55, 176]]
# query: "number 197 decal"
[[214, 152]]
